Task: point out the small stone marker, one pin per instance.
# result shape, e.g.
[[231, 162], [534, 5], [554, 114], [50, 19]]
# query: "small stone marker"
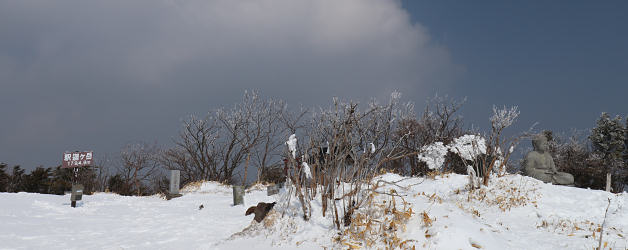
[[175, 180], [271, 190], [238, 195], [77, 194]]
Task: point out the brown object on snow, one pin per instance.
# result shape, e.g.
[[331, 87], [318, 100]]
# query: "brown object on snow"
[[260, 210]]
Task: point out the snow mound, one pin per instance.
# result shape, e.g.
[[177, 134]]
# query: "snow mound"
[[438, 212], [206, 187]]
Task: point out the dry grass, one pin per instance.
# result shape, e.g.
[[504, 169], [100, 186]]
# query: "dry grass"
[[574, 228], [427, 221], [258, 186], [442, 174], [378, 224], [195, 185], [503, 193], [268, 226]]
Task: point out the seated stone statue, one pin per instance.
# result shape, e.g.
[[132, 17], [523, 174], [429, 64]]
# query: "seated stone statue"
[[540, 165]]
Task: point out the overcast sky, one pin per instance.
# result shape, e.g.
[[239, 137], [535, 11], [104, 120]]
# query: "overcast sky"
[[96, 75]]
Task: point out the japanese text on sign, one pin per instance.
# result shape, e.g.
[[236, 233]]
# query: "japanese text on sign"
[[77, 159]]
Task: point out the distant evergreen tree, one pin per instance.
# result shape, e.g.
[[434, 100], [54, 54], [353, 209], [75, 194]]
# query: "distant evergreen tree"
[[4, 177], [119, 185], [15, 180], [87, 177], [61, 180], [608, 139], [626, 151], [38, 181]]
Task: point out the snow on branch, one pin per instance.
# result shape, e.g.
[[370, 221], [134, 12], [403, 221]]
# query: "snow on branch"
[[467, 146], [433, 155], [292, 145], [504, 117]]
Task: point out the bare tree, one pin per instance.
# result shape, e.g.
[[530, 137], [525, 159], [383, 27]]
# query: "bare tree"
[[498, 150], [103, 167], [214, 147], [277, 121], [242, 128], [196, 152], [139, 163]]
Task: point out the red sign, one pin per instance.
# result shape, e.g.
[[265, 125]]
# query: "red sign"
[[77, 159]]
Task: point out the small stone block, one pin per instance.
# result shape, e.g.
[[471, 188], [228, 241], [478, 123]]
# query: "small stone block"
[[271, 190], [238, 195]]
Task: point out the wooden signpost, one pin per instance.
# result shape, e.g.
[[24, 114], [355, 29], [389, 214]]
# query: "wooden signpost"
[[77, 160]]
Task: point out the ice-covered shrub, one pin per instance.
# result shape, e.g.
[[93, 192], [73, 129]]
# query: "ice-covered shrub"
[[434, 155]]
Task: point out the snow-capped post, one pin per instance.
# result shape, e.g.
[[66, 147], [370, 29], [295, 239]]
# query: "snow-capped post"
[[76, 160]]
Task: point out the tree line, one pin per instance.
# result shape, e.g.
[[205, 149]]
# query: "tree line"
[[248, 141]]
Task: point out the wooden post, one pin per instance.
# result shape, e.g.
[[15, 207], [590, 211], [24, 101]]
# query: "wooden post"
[[608, 182]]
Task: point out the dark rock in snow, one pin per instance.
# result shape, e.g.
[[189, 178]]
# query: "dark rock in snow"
[[261, 210]]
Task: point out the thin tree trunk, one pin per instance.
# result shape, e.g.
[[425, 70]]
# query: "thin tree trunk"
[[137, 184], [608, 182], [246, 169]]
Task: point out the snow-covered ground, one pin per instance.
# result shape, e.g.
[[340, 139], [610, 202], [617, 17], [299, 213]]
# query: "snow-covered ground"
[[514, 212]]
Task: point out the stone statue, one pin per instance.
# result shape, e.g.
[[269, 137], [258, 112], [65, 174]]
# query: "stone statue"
[[540, 165]]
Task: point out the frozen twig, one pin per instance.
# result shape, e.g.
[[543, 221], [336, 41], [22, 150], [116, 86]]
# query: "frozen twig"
[[603, 222]]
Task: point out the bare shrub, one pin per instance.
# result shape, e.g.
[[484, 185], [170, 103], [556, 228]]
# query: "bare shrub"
[[381, 221], [346, 147], [438, 123], [498, 149], [273, 174], [139, 163], [572, 154]]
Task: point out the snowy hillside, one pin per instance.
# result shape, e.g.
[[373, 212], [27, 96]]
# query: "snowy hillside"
[[514, 212]]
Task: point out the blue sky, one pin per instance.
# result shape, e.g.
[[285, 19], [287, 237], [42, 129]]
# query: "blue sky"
[[78, 75], [561, 62]]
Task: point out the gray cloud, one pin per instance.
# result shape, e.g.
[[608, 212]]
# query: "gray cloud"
[[96, 75]]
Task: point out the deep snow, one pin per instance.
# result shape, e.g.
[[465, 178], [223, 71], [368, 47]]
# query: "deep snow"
[[533, 215]]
